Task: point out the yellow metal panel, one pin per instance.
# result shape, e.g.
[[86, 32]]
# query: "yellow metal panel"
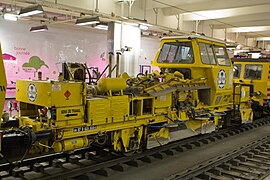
[[75, 98], [3, 82], [33, 92], [49, 93], [163, 101], [60, 124], [119, 108], [98, 111]]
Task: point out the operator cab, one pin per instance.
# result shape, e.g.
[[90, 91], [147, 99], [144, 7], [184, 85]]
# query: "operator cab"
[[199, 57], [254, 71]]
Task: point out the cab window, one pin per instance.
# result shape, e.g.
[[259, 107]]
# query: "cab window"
[[222, 56], [237, 70], [207, 54], [176, 53], [253, 71]]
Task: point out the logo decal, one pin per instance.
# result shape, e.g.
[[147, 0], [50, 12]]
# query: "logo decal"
[[32, 92], [221, 80], [67, 94]]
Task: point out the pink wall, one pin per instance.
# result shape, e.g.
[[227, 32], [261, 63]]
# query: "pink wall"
[[59, 44]]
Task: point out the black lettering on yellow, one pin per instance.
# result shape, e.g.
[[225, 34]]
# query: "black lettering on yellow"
[[76, 110], [64, 111]]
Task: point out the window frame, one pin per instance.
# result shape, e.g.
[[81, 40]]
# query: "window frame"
[[244, 77], [207, 53], [240, 71], [170, 43], [225, 51]]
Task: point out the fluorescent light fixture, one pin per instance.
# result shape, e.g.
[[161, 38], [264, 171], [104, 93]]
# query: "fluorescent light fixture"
[[39, 28], [87, 21], [31, 10], [249, 29], [102, 26], [263, 39], [131, 24], [146, 24], [10, 17], [143, 27]]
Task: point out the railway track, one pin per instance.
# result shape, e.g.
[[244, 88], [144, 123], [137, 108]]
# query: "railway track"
[[83, 163], [251, 161]]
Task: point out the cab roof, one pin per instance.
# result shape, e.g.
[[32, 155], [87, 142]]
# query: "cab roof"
[[250, 60], [194, 36]]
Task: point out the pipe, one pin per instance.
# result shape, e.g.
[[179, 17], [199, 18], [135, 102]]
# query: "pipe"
[[117, 63], [130, 3], [110, 64], [144, 12], [156, 12], [97, 10], [197, 22], [178, 21]]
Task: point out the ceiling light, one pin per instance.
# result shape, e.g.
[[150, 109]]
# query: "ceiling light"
[[102, 26], [143, 27], [31, 10], [39, 28], [10, 17], [87, 21], [131, 24], [146, 24]]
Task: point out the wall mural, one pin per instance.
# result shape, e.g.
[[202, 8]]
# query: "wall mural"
[[34, 62], [8, 57]]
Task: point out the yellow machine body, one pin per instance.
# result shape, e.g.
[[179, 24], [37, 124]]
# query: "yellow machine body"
[[129, 114], [111, 84], [256, 72], [3, 82]]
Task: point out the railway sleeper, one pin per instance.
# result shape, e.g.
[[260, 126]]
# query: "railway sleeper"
[[246, 170], [135, 163], [226, 166], [106, 172], [254, 165], [170, 152], [148, 159], [160, 155], [235, 174], [120, 167], [258, 161]]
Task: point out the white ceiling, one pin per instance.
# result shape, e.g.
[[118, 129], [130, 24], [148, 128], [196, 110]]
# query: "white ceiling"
[[249, 17], [235, 15]]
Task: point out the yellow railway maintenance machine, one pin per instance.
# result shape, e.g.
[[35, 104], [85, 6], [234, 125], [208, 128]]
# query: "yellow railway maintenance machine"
[[256, 72], [3, 82], [192, 95]]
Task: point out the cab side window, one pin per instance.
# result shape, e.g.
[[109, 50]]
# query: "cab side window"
[[222, 56], [207, 54], [237, 70], [253, 71], [176, 53]]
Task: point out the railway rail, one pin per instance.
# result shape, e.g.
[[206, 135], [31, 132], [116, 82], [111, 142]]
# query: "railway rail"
[[83, 162], [247, 162]]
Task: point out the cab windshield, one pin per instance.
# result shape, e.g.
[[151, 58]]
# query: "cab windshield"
[[176, 53]]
